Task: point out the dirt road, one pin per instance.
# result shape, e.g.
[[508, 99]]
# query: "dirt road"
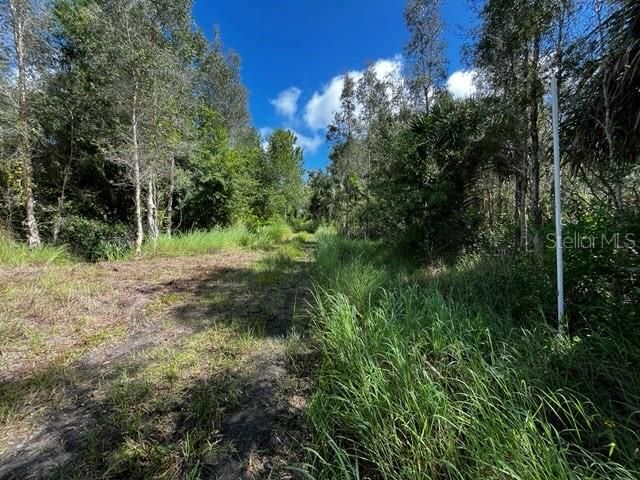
[[157, 368]]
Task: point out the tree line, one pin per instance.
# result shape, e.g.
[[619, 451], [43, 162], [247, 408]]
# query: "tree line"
[[120, 121], [407, 158], [449, 176]]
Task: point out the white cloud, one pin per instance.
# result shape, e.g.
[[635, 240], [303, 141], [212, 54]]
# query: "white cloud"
[[462, 84], [309, 144], [286, 103], [319, 110], [388, 67], [265, 133]]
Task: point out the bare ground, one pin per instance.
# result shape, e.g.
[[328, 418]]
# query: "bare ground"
[[157, 368]]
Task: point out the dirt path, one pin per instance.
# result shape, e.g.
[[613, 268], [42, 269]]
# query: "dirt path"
[[160, 368]]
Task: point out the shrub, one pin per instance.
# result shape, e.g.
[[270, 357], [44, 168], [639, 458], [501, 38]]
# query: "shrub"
[[304, 225], [273, 232], [94, 240], [603, 271]]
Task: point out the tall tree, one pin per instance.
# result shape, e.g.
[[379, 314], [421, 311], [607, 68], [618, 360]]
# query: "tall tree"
[[345, 154], [219, 85], [28, 45], [126, 47], [282, 175], [514, 39], [425, 49], [376, 125]]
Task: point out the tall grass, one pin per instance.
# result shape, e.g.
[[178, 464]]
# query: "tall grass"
[[422, 381], [264, 237], [13, 254], [204, 242], [198, 242]]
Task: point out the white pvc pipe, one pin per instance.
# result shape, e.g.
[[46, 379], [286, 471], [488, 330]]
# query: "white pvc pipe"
[[558, 212]]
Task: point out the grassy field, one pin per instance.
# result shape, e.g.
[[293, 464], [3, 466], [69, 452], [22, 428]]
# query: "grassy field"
[[175, 365], [425, 375], [193, 362]]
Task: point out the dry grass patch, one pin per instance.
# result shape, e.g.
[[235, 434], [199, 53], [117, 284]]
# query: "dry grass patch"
[[144, 369]]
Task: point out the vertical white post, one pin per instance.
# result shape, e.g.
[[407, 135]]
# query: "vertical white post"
[[558, 212]]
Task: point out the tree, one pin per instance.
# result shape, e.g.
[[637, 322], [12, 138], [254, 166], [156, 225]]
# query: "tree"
[[424, 50], [28, 45], [436, 175], [345, 155], [602, 124], [218, 182], [376, 126], [281, 177], [126, 48], [219, 85], [509, 53], [122, 112], [321, 203]]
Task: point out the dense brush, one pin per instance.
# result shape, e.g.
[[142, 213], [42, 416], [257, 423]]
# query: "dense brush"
[[414, 384]]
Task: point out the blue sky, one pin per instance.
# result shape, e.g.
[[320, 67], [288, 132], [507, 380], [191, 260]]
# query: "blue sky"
[[294, 52]]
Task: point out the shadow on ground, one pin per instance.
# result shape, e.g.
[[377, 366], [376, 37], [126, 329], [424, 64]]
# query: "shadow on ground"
[[201, 389]]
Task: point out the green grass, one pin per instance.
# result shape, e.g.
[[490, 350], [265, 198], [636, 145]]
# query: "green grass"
[[161, 414], [198, 243], [238, 236], [421, 377], [14, 254], [158, 379], [277, 265], [265, 237]]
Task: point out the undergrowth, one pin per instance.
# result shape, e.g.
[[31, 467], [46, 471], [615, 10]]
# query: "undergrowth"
[[218, 239], [15, 254], [423, 377], [265, 237]]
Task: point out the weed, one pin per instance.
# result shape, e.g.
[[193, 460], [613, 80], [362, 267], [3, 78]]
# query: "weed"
[[422, 381], [15, 254]]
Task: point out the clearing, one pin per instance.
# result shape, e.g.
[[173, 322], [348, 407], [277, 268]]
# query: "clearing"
[[157, 368]]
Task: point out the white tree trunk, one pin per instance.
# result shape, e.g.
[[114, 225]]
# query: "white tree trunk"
[[172, 180], [18, 17], [136, 184], [151, 210]]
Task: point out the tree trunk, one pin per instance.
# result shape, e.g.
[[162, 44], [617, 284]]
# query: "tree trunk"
[[137, 181], [616, 191], [427, 100], [57, 223], [33, 236], [151, 210], [367, 199], [536, 211], [9, 206], [172, 186], [18, 19], [521, 205]]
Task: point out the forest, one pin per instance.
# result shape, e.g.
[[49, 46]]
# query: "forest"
[[121, 122], [183, 298]]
